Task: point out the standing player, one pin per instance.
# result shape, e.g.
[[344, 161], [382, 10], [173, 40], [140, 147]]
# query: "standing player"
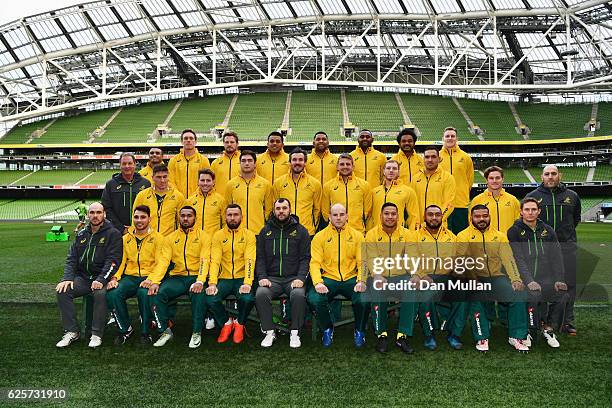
[[561, 209], [252, 192], [81, 211], [349, 190], [232, 270], [434, 185], [302, 190], [459, 164], [120, 192], [141, 246], [227, 166], [155, 158], [322, 164], [369, 162], [274, 162], [209, 204], [504, 208], [188, 248], [184, 166], [394, 191], [336, 269], [163, 200], [409, 161]]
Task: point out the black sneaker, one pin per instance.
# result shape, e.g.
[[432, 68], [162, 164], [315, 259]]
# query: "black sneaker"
[[146, 339], [403, 345], [123, 337], [382, 344], [570, 330]]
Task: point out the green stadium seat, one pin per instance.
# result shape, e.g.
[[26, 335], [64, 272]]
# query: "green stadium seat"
[[256, 115], [201, 114], [312, 111]]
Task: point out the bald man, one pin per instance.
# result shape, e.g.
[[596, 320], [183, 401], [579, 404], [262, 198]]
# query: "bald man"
[[561, 210]]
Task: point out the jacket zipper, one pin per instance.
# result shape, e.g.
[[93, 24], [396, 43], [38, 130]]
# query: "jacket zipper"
[[497, 207], [232, 254], [484, 248], [280, 250], [185, 254], [247, 210], [554, 211], [203, 212], [138, 256], [339, 271], [187, 179], [160, 208]]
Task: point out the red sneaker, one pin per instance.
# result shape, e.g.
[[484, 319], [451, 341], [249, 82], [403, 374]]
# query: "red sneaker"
[[226, 330], [238, 333]]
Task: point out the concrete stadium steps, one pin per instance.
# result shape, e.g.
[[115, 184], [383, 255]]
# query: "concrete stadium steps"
[[494, 118], [76, 129], [201, 114], [604, 117], [431, 114], [586, 203], [547, 121], [135, 123], [29, 209], [312, 111], [22, 133], [378, 112], [256, 115]]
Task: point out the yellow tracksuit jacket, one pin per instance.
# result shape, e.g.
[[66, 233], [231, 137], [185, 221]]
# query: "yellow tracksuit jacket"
[[379, 244], [504, 210], [438, 189], [164, 217], [401, 195], [147, 172], [323, 168], [493, 247], [369, 166], [139, 260], [304, 196], [232, 255], [459, 164], [336, 255], [442, 246], [225, 168], [190, 253], [183, 171], [256, 198], [272, 168], [355, 195], [408, 166], [210, 210]]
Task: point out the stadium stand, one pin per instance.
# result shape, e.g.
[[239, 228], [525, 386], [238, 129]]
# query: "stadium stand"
[[604, 117], [479, 178], [514, 175], [589, 202], [28, 209], [22, 133], [603, 173], [99, 177], [314, 111], [9, 176], [546, 121], [256, 115], [378, 112], [201, 114], [136, 123], [76, 129], [54, 177], [494, 118]]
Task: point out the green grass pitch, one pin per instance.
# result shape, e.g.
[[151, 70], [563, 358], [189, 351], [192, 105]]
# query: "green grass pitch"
[[578, 374]]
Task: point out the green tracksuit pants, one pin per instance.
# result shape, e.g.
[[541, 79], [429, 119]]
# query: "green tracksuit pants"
[[320, 303], [128, 287], [225, 288], [455, 309], [172, 288]]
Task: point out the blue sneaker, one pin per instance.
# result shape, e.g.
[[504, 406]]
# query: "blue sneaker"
[[430, 343], [454, 342], [359, 338], [328, 337]]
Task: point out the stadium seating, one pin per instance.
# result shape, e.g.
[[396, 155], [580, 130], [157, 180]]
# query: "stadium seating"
[[9, 176], [603, 173], [29, 209], [494, 118], [136, 123], [586, 203], [547, 121], [256, 115], [378, 112], [313, 111], [479, 178], [76, 129], [53, 177], [200, 114], [514, 175], [604, 116], [99, 177], [21, 133]]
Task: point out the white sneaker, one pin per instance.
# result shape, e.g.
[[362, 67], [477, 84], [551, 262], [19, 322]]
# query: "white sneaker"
[[164, 338], [196, 340], [95, 341], [527, 341], [210, 323], [518, 344], [482, 345], [294, 339], [269, 339], [111, 320], [551, 339], [68, 339]]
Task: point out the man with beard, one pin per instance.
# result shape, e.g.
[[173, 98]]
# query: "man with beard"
[[349, 190], [92, 260], [209, 204], [120, 192], [283, 258], [504, 208], [336, 269], [184, 166], [302, 190], [227, 166], [232, 270], [155, 158], [409, 161], [394, 191], [322, 164], [491, 247], [163, 200], [274, 162], [561, 209], [389, 239], [369, 162], [141, 246], [188, 248]]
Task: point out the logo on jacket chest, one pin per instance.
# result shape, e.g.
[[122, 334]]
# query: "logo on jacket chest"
[[293, 233]]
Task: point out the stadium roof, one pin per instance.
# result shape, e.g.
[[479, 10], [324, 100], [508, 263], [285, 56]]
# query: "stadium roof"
[[115, 49]]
